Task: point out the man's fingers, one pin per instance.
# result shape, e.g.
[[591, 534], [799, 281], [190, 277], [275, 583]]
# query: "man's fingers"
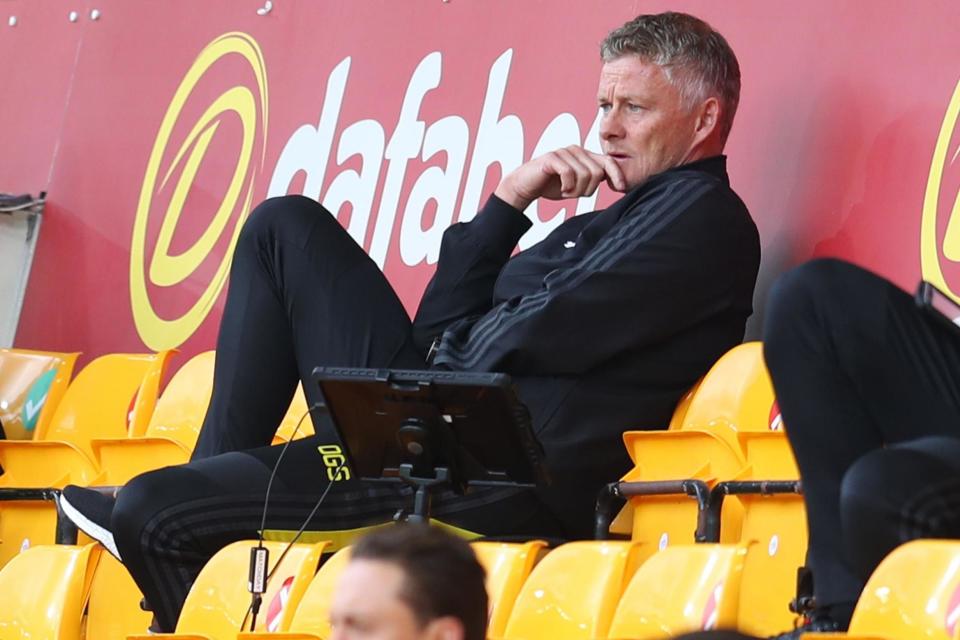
[[560, 166], [613, 172], [580, 173]]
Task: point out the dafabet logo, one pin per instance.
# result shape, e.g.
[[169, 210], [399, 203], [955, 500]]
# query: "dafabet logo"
[[940, 228], [171, 170]]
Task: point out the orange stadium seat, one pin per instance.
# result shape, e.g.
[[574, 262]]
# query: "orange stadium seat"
[[172, 432], [674, 456], [573, 592], [736, 395], [680, 412], [507, 565], [700, 445], [681, 589], [747, 584], [775, 529], [113, 611], [914, 593], [31, 385], [98, 402], [113, 395], [44, 591], [311, 621], [217, 606]]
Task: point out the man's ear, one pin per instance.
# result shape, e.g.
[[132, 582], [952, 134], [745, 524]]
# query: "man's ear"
[[708, 120], [445, 628]]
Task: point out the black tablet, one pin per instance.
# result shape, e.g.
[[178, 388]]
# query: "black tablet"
[[471, 423]]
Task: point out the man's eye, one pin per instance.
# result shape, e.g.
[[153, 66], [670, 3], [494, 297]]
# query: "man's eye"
[[634, 108], [604, 107]]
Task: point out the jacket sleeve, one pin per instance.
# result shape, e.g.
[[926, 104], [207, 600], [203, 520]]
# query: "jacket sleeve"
[[666, 266], [471, 257]]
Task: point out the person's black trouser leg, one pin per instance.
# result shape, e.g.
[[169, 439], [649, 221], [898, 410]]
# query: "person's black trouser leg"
[[302, 293], [897, 494], [855, 365], [168, 523]]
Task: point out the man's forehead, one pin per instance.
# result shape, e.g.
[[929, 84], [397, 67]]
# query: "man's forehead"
[[630, 72]]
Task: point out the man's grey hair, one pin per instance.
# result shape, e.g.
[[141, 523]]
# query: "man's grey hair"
[[696, 59]]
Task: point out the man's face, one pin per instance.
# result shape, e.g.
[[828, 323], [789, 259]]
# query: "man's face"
[[367, 605], [645, 127]]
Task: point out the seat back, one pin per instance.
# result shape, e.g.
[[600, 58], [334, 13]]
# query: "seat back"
[[572, 593], [681, 589], [114, 607], [111, 397], [775, 528], [171, 433], [680, 412], [313, 613], [179, 412], [735, 395], [508, 566], [44, 592], [914, 593], [661, 520], [31, 385], [296, 412], [218, 601]]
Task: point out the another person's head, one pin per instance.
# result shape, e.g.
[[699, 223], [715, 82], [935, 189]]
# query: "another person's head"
[[410, 582], [669, 89]]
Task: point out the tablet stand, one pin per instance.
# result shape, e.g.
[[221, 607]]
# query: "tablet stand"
[[431, 430]]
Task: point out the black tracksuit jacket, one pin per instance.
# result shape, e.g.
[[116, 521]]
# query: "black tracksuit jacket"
[[605, 323]]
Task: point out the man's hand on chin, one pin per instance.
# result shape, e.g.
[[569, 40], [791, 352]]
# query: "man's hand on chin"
[[570, 172]]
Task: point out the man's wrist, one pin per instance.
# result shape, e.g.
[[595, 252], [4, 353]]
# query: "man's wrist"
[[511, 197]]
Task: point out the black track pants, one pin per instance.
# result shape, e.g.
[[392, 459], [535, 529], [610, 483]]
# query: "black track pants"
[[302, 294], [857, 366]]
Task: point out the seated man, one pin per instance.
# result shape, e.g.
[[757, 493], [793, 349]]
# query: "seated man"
[[869, 387], [603, 325], [410, 582]]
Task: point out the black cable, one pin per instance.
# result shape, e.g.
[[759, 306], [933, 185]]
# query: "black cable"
[[303, 527], [256, 597]]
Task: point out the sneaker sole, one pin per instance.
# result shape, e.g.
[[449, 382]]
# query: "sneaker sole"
[[91, 528]]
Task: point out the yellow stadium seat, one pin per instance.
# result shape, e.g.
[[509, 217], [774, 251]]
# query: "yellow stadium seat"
[[661, 456], [681, 589], [31, 385], [296, 412], [572, 593], [680, 413], [113, 611], [759, 569], [172, 432], [44, 591], [775, 527], [736, 395], [98, 402], [217, 605], [914, 593], [507, 565], [311, 621], [113, 395]]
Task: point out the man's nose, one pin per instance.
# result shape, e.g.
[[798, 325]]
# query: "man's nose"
[[610, 126]]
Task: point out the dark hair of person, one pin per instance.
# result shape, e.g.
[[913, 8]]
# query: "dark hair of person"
[[442, 576]]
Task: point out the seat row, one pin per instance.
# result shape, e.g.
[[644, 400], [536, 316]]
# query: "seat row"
[[719, 435], [102, 428]]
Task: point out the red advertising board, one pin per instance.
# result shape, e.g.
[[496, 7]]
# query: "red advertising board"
[[156, 127]]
